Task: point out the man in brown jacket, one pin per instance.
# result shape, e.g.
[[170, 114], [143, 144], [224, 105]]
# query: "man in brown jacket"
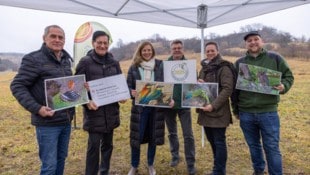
[[216, 116]]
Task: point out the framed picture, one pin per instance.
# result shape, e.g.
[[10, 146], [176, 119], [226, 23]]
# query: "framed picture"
[[156, 94], [258, 79], [198, 95], [65, 92]]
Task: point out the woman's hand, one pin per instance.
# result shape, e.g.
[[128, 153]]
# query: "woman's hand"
[[171, 104], [207, 108], [133, 93], [200, 80], [122, 101]]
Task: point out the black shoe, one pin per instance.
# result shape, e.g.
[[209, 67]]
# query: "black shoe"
[[192, 170], [258, 173], [174, 162]]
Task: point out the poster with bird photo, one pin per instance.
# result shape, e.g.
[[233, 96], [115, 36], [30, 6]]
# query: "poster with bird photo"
[[258, 79], [198, 95], [156, 94], [65, 92]]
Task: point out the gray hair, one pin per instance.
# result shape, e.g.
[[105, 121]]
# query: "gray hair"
[[47, 29]]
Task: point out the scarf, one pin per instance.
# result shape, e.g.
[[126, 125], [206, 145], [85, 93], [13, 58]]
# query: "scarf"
[[148, 67]]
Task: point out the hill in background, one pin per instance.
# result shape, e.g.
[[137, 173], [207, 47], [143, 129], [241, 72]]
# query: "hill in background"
[[230, 45]]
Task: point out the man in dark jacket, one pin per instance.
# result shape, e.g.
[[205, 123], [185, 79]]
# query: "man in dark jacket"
[[99, 122], [52, 128], [184, 115], [259, 119]]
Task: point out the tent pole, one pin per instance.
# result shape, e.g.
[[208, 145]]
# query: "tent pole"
[[202, 53]]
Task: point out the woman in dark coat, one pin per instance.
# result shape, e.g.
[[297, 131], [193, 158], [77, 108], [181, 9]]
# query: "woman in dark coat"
[[146, 123], [216, 117]]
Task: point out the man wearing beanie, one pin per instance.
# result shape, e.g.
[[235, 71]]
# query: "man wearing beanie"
[[258, 113], [99, 122]]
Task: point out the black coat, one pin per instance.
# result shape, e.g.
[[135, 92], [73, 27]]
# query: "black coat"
[[28, 85], [159, 124], [105, 118]]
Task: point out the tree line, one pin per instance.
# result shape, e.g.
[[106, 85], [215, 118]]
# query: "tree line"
[[230, 45]]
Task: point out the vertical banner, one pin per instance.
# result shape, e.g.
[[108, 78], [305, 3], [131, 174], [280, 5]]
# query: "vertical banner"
[[83, 39]]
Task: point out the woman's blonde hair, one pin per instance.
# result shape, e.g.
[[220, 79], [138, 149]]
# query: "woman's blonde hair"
[[137, 57]]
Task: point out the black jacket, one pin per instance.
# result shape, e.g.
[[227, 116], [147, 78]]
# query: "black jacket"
[[105, 118], [159, 128], [28, 85]]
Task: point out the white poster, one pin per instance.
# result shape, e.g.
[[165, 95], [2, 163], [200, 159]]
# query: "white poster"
[[109, 90], [183, 71]]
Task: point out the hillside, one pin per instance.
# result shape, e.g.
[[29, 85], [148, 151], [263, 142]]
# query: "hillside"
[[230, 45]]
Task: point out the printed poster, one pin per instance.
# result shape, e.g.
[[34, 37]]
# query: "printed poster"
[[83, 39], [199, 94], [182, 71], [65, 92], [258, 79], [156, 94], [109, 89]]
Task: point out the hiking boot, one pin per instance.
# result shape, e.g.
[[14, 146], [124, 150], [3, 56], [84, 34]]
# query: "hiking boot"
[[152, 170], [174, 162], [132, 171]]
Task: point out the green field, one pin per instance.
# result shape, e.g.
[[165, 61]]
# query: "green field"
[[18, 148]]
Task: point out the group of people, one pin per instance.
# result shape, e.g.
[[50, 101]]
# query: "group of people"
[[257, 112]]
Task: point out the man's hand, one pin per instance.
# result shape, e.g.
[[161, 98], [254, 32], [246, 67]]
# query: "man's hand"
[[280, 87], [92, 105], [46, 111]]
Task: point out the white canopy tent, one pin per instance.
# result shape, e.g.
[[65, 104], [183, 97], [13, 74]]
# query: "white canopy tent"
[[169, 12], [185, 13]]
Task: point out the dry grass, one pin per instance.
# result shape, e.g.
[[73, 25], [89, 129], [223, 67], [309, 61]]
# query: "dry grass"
[[18, 148]]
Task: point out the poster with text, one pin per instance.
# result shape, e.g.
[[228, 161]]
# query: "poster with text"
[[65, 92], [199, 94], [182, 71], [109, 89], [258, 79], [156, 94]]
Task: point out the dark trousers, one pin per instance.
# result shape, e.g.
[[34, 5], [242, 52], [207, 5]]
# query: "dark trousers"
[[217, 140], [100, 145], [146, 136]]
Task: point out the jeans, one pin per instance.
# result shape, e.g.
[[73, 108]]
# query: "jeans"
[[265, 126], [217, 140], [145, 127], [102, 142], [53, 148], [186, 124]]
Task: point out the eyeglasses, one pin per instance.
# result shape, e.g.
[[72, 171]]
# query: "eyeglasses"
[[102, 43]]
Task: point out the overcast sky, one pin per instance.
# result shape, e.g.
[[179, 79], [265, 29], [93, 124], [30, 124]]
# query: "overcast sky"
[[22, 29]]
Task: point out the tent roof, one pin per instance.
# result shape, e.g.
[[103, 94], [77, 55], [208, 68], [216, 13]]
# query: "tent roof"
[[168, 12]]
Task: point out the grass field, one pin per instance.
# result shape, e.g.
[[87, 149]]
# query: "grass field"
[[19, 153]]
